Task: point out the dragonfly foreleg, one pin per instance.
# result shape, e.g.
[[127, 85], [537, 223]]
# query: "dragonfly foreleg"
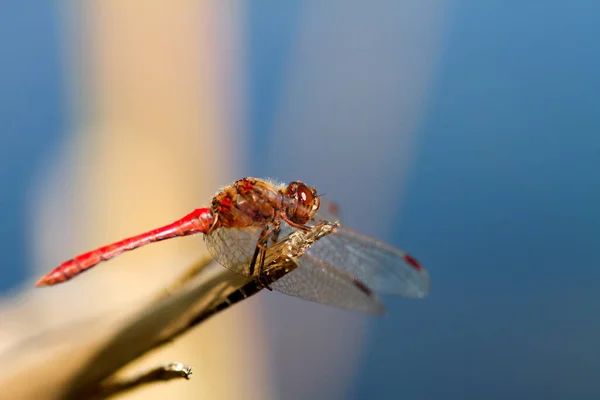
[[260, 253]]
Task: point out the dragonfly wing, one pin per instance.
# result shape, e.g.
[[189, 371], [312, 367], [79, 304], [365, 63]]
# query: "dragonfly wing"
[[233, 248], [328, 211], [316, 281], [380, 266]]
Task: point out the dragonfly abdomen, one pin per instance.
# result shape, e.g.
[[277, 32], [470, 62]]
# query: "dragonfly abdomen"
[[199, 221]]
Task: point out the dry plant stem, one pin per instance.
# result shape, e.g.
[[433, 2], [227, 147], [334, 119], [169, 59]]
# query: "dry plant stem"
[[161, 322], [162, 373], [182, 310], [188, 275]]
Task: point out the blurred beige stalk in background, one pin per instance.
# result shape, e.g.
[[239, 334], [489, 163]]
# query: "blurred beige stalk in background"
[[153, 89], [151, 139]]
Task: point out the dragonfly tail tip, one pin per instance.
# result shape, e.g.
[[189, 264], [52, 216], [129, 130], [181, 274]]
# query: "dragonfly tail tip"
[[44, 281]]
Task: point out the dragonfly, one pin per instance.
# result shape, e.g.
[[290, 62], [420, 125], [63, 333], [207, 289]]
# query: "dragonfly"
[[247, 225]]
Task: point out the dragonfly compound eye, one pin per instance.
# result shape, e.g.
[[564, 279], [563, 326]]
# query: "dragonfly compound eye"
[[304, 202]]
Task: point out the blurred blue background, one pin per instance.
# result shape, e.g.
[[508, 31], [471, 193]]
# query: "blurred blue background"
[[32, 119], [501, 203]]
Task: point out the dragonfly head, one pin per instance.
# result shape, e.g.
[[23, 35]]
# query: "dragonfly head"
[[303, 202]]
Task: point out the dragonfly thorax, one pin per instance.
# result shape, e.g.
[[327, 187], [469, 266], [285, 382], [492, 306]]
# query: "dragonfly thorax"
[[253, 201]]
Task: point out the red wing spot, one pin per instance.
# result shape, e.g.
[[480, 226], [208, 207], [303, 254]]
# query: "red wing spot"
[[413, 262], [334, 209], [363, 288]]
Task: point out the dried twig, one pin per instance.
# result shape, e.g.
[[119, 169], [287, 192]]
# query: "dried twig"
[[162, 373], [202, 292]]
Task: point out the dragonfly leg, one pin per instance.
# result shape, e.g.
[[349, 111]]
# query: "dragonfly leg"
[[258, 259], [261, 246], [256, 253], [261, 263], [275, 234], [295, 225]]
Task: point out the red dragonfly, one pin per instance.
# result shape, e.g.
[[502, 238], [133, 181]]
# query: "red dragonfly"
[[246, 219]]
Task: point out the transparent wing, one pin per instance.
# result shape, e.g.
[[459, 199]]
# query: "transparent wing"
[[233, 248], [313, 280], [328, 211], [381, 267], [318, 282]]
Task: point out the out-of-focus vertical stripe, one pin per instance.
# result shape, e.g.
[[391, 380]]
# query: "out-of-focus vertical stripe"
[[152, 138], [354, 95]]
